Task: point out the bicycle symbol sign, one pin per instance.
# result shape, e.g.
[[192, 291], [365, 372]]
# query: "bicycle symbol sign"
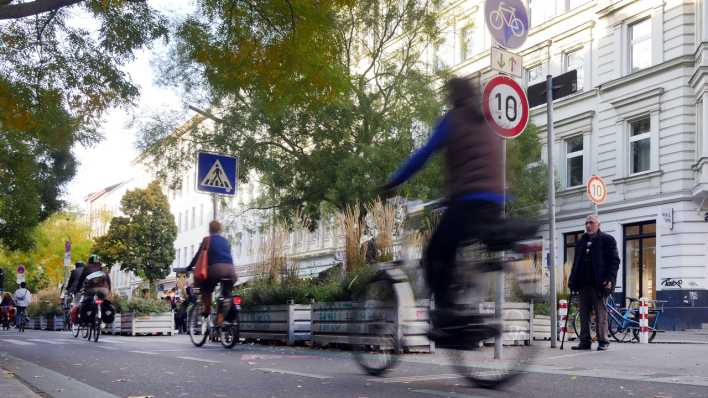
[[505, 106], [508, 22]]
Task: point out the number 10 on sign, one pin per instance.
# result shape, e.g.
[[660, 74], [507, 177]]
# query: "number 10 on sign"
[[505, 106]]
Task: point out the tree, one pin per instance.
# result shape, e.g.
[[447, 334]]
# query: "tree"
[[309, 94], [142, 240], [57, 78], [45, 262], [527, 175]]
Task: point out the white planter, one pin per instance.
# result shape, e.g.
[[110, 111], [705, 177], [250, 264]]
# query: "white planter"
[[152, 324], [517, 324], [287, 323]]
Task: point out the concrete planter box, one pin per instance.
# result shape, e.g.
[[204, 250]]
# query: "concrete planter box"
[[153, 324], [335, 323], [517, 322], [54, 322], [541, 327], [287, 323]]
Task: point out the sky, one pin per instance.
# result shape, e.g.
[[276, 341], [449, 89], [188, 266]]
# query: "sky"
[[108, 162]]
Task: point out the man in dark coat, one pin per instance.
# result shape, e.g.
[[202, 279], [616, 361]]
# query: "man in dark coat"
[[593, 278]]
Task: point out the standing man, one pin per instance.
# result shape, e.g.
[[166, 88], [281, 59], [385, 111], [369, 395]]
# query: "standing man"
[[593, 278]]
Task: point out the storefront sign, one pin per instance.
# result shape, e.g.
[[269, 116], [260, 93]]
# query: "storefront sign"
[[669, 282]]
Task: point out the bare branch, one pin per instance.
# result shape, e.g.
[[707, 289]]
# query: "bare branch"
[[22, 10]]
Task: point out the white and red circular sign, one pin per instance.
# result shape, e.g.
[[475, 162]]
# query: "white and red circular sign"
[[597, 190], [505, 106]]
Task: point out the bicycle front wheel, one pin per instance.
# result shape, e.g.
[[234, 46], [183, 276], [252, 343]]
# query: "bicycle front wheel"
[[96, 330], [617, 330], [374, 335], [228, 335], [198, 325]]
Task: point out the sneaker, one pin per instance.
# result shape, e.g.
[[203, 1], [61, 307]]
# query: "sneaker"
[[603, 346], [582, 346]]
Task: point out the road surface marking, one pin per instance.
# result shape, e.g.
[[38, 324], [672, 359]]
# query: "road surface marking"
[[449, 394], [406, 379], [145, 352], [18, 342], [289, 372], [113, 341], [199, 359], [55, 342]]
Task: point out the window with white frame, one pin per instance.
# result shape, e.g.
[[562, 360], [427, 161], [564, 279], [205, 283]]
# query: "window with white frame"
[[574, 161], [639, 34], [575, 60], [536, 74], [194, 217], [179, 222], [541, 11], [201, 214], [700, 141], [184, 255], [177, 258], [571, 4], [640, 144], [469, 42]]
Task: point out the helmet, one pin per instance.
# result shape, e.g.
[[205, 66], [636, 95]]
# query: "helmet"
[[93, 259], [80, 264]]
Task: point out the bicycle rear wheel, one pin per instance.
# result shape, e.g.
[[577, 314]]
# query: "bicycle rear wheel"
[[198, 325], [96, 330], [374, 335], [618, 331], [228, 335]]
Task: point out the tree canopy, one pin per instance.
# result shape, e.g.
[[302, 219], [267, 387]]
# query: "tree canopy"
[[142, 240], [45, 262], [312, 95], [57, 78]]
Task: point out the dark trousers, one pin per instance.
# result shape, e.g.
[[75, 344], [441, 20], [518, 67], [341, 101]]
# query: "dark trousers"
[[593, 300], [461, 222]]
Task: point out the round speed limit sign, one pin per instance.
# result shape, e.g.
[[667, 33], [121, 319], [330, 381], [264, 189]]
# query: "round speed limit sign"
[[597, 190], [505, 106]]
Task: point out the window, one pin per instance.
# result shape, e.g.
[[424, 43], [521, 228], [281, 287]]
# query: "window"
[[640, 145], [469, 42], [574, 161], [201, 214], [570, 239], [640, 45], [574, 60], [540, 11], [177, 262], [184, 252], [575, 3], [194, 217], [535, 74], [179, 222], [191, 251]]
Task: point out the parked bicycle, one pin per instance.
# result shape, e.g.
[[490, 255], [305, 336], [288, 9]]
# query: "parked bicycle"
[[201, 327], [387, 301], [623, 322]]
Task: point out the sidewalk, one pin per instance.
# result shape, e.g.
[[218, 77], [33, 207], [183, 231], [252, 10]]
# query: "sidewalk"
[[11, 387], [687, 337]]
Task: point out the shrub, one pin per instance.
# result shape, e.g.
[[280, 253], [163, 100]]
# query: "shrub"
[[145, 306]]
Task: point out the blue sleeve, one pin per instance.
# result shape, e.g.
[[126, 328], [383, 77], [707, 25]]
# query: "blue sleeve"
[[418, 159]]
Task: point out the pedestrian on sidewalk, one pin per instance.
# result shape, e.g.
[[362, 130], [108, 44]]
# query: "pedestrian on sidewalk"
[[592, 279]]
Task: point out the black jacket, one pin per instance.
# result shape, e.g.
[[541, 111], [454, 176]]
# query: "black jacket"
[[604, 257], [73, 285]]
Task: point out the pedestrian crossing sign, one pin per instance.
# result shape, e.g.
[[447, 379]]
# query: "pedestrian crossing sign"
[[217, 173]]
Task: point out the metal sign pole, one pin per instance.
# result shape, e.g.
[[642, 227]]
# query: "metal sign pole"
[[499, 299], [551, 212]]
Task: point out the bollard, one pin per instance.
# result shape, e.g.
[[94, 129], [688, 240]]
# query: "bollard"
[[563, 315], [643, 321]]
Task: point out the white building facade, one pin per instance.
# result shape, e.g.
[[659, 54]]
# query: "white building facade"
[[638, 121]]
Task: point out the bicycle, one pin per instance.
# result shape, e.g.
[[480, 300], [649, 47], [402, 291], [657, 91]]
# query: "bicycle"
[[200, 327], [387, 301], [20, 319], [506, 16], [91, 326], [623, 321]]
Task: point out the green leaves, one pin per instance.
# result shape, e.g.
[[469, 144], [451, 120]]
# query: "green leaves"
[[527, 175], [142, 241], [56, 81]]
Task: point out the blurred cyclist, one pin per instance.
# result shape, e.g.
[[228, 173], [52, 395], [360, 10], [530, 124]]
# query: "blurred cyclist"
[[474, 187]]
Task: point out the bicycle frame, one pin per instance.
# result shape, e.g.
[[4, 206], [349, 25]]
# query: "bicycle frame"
[[508, 14]]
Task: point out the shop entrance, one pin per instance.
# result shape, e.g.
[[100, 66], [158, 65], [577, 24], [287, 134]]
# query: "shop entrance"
[[640, 260]]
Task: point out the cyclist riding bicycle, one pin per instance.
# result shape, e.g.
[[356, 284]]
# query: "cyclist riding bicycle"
[[73, 286], [94, 281], [221, 270], [23, 298], [7, 311], [474, 189]]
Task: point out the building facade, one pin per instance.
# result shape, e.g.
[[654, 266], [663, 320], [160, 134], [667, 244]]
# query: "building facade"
[[637, 120]]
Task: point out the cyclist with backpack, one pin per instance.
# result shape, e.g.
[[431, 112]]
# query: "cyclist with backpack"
[[95, 282], [23, 298]]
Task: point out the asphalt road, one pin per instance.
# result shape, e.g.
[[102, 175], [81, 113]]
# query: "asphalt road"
[[60, 366]]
